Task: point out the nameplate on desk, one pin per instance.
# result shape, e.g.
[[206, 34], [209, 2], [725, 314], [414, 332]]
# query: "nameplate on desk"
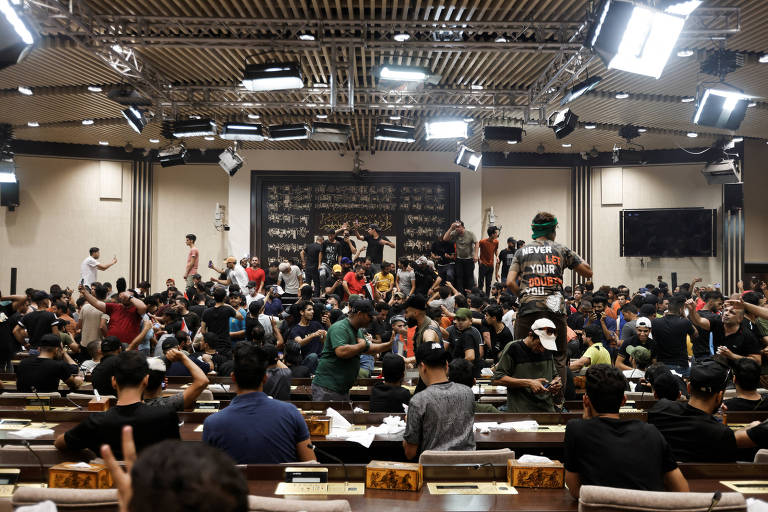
[[37, 404], [316, 489], [207, 406], [14, 424], [470, 488], [359, 388], [747, 486]]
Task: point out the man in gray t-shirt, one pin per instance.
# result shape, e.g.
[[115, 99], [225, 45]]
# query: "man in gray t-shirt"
[[406, 277], [442, 416]]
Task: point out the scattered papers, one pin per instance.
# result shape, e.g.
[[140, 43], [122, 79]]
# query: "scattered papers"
[[199, 428], [533, 459], [30, 433], [484, 427], [342, 429], [358, 410], [486, 372], [753, 505]]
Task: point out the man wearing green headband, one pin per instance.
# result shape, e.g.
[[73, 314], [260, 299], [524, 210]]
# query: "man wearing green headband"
[[536, 276]]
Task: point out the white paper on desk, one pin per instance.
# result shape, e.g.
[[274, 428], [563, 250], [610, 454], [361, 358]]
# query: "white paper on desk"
[[43, 506], [392, 426], [338, 422], [533, 459], [753, 505], [484, 427], [223, 387], [486, 372], [519, 425], [30, 433], [358, 410], [476, 389], [632, 385]]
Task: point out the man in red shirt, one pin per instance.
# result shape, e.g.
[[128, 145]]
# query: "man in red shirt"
[[256, 274], [486, 255], [354, 282], [124, 315]]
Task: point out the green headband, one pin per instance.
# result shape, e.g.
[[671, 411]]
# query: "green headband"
[[543, 229]]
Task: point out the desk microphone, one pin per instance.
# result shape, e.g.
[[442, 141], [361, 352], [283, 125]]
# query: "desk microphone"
[[314, 448], [490, 467], [39, 461], [352, 410], [715, 500], [42, 405]]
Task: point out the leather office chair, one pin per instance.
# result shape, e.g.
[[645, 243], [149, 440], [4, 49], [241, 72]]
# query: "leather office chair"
[[593, 497], [761, 457], [497, 457]]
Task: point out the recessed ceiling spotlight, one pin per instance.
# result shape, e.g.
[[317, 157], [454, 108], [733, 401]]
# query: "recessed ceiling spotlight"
[[500, 39], [688, 99], [566, 145], [33, 124], [687, 52], [322, 116], [87, 122], [307, 37], [763, 58], [208, 137], [394, 118], [752, 104], [642, 130], [468, 119], [154, 141], [401, 37], [94, 88], [622, 95], [511, 142], [476, 87], [26, 91], [104, 143], [247, 104], [320, 85], [692, 135], [253, 116], [590, 126]]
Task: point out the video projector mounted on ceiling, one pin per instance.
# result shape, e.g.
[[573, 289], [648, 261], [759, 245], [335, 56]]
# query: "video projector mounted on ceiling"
[[723, 170]]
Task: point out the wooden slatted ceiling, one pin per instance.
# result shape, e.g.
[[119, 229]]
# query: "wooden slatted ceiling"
[[64, 64]]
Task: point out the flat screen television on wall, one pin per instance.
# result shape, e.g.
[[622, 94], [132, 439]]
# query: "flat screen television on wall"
[[668, 232]]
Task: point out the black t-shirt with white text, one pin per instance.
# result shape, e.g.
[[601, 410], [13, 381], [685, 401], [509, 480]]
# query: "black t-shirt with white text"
[[331, 252]]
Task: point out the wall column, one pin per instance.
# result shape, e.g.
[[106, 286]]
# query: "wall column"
[[581, 215], [141, 222]]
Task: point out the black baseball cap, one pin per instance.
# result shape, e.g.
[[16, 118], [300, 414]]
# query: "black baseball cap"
[[375, 227], [709, 376], [110, 344], [169, 344], [361, 306], [431, 354], [511, 240], [49, 340], [39, 296], [416, 301]]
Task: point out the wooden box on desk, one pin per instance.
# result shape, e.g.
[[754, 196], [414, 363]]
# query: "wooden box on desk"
[[318, 425], [395, 476], [543, 476], [78, 475]]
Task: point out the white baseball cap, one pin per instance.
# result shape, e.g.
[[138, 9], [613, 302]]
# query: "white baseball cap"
[[643, 322], [547, 340]]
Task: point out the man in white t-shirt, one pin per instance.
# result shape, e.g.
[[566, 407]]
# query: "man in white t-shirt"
[[235, 274], [90, 266], [291, 277]]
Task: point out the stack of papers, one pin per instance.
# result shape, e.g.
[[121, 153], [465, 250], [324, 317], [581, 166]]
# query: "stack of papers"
[[485, 427], [30, 433], [393, 426]]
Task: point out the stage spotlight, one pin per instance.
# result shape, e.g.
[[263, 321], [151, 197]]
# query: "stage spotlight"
[[510, 134], [330, 132], [446, 130], [465, 157], [563, 122], [173, 155], [16, 35], [634, 38], [135, 118], [230, 161], [194, 128], [395, 133], [721, 109], [579, 90], [272, 77], [288, 131], [243, 131]]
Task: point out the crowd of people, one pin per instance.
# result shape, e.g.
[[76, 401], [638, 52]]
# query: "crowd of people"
[[331, 314]]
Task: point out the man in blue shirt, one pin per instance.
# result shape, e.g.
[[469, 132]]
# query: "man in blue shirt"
[[253, 428]]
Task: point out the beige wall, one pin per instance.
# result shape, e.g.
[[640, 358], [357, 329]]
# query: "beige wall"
[[755, 203], [517, 195], [670, 186], [59, 218], [240, 184], [184, 201]]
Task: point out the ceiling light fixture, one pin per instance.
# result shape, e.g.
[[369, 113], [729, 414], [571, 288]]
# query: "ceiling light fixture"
[[736, 140], [751, 104], [590, 126], [476, 87], [16, 37], [449, 129], [566, 144], [685, 53], [33, 124], [272, 77], [330, 132], [580, 89], [500, 39], [563, 122], [26, 91], [511, 142], [403, 73], [401, 37], [94, 88], [721, 109], [154, 141], [622, 95], [173, 155], [307, 37], [87, 122], [194, 128], [394, 118], [253, 116], [295, 131], [104, 143], [395, 133], [763, 59], [209, 137], [230, 161], [687, 99], [321, 116], [135, 118], [642, 130], [243, 131], [691, 135], [465, 157], [634, 38]]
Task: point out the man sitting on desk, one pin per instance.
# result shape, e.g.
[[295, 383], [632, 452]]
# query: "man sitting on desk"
[[691, 430], [527, 369], [653, 467], [442, 416], [254, 428], [150, 424]]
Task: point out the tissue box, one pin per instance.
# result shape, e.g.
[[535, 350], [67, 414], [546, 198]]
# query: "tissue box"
[[78, 475], [546, 475], [101, 403], [395, 476], [318, 425]]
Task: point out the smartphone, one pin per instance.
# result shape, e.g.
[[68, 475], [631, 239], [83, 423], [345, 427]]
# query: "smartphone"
[[546, 385], [210, 263], [82, 281]]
